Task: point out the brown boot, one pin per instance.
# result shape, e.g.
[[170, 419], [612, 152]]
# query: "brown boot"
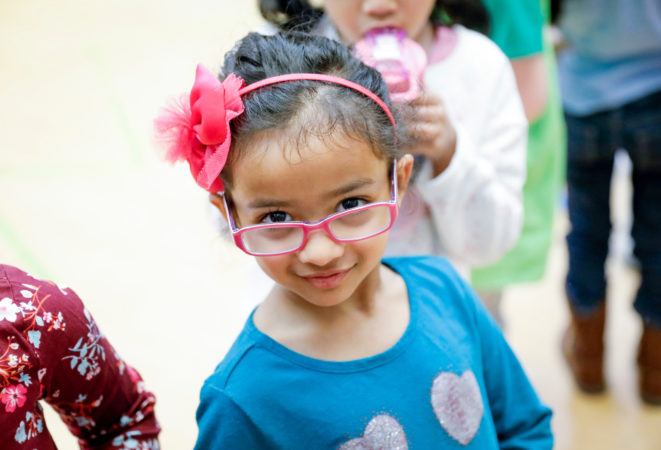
[[583, 348], [649, 365]]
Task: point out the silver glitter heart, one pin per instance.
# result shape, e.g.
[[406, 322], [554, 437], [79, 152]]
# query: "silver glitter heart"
[[457, 403], [381, 433]]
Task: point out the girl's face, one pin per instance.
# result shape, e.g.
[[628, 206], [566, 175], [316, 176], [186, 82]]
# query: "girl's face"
[[274, 184], [354, 18]]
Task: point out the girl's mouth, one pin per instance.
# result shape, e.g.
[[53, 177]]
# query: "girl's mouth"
[[327, 280]]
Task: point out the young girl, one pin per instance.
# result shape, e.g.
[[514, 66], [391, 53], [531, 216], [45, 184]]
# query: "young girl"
[[469, 124], [298, 148], [51, 349]]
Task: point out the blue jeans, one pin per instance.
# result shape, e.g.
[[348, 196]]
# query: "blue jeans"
[[592, 142]]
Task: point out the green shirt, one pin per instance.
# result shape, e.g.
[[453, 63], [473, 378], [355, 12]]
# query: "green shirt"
[[516, 27]]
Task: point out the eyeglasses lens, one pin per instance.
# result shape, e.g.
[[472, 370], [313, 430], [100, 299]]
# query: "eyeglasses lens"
[[361, 224], [273, 240], [357, 225]]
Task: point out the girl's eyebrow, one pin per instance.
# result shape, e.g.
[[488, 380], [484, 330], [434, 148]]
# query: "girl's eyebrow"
[[351, 186], [268, 203], [275, 203]]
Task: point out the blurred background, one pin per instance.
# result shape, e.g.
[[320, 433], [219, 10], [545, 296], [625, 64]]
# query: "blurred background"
[[86, 201]]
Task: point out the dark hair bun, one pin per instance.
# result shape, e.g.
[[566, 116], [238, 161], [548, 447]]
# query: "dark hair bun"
[[290, 14]]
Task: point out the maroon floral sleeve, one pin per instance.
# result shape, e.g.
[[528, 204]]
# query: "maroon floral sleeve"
[[51, 349]]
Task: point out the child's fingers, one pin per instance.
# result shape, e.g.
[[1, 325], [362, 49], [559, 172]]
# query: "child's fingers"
[[426, 131], [426, 99], [430, 114]]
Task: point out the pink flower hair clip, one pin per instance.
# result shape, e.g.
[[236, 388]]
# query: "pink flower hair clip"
[[198, 131]]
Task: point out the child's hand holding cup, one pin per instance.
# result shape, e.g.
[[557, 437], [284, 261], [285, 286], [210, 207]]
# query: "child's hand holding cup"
[[402, 63]]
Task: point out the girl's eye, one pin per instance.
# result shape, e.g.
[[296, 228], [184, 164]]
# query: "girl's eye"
[[350, 203], [276, 216]]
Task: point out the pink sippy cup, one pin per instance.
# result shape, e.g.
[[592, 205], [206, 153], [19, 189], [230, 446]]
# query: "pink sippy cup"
[[400, 60]]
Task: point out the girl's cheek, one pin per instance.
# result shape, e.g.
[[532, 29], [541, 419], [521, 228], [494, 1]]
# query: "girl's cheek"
[[345, 20], [274, 266], [372, 248]]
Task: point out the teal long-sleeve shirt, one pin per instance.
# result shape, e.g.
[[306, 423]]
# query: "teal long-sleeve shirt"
[[451, 381]]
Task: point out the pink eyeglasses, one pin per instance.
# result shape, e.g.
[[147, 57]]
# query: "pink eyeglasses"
[[281, 238]]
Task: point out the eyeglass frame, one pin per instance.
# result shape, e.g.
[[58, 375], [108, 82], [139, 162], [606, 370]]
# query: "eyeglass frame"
[[323, 224]]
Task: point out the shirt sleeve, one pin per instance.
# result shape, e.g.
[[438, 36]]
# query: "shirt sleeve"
[[476, 204], [522, 421], [72, 366], [21, 418], [516, 26], [223, 424]]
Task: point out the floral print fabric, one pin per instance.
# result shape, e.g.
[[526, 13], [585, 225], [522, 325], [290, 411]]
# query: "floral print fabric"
[[51, 349]]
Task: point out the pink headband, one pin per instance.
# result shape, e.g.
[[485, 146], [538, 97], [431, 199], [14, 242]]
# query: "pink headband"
[[198, 131]]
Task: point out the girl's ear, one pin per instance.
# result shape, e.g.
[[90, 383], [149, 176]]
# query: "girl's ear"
[[404, 170], [217, 201]]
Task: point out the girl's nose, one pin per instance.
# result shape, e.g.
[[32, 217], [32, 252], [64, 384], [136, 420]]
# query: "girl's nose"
[[320, 250], [379, 9]]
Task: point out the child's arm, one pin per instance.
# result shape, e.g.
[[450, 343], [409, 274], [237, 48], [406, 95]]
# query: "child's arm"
[[74, 368], [102, 399], [522, 421], [476, 203], [223, 424]]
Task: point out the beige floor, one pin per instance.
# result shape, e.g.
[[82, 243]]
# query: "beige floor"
[[86, 201]]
